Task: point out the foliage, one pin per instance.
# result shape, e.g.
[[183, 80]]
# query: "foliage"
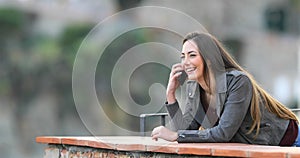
[[11, 20], [34, 63]]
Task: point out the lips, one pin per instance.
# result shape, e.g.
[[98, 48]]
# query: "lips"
[[190, 70]]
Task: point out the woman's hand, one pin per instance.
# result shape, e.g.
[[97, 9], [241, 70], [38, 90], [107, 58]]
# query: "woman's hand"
[[164, 133], [173, 83]]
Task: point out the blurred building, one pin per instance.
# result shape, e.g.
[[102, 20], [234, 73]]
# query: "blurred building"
[[262, 35]]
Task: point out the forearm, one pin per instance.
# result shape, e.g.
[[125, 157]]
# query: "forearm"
[[179, 120]]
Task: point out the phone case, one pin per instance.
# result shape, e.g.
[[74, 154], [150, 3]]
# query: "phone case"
[[182, 77]]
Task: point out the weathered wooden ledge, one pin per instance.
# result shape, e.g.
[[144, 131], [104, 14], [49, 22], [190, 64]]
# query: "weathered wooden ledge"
[[134, 146]]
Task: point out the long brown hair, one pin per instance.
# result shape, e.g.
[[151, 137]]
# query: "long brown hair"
[[258, 93]]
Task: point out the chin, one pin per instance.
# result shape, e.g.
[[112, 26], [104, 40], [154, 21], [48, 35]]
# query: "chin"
[[192, 77]]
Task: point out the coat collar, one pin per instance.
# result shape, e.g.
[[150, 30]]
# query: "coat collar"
[[221, 83], [194, 92]]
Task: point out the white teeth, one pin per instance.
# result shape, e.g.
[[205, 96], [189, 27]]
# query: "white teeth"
[[190, 69]]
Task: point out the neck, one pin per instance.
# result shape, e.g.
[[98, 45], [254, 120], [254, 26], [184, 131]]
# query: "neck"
[[203, 85]]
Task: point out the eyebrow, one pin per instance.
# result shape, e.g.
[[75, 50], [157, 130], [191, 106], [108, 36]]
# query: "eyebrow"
[[192, 51]]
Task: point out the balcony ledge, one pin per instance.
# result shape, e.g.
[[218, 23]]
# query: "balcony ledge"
[[142, 146]]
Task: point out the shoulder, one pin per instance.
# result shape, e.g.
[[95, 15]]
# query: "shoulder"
[[235, 73], [236, 78]]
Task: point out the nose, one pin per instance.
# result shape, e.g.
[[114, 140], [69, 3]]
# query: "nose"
[[185, 61]]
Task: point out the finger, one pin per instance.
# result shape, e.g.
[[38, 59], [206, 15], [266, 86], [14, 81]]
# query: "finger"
[[176, 65], [155, 131], [155, 139], [177, 74], [176, 68], [155, 136]]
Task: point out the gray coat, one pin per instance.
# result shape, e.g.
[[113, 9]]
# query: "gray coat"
[[233, 110]]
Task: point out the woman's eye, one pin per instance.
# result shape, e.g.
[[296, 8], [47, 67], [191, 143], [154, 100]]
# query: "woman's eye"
[[192, 55], [182, 57]]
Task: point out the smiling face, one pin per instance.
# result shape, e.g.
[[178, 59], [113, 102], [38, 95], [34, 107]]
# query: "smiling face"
[[192, 61]]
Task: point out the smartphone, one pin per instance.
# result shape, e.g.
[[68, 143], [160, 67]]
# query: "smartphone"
[[182, 77]]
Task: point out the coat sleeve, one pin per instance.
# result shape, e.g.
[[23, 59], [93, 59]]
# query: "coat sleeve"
[[234, 111], [181, 121]]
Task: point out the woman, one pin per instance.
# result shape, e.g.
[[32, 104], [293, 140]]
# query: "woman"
[[224, 102]]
